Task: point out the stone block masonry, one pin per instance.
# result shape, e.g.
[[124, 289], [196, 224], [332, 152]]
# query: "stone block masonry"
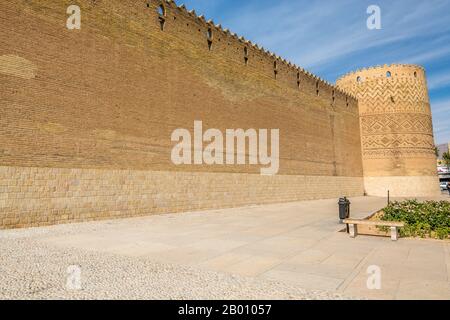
[[46, 196]]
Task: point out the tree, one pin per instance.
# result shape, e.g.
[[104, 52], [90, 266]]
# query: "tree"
[[436, 151], [446, 159]]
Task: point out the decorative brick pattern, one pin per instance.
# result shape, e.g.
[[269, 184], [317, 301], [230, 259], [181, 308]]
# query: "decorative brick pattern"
[[396, 129], [395, 110]]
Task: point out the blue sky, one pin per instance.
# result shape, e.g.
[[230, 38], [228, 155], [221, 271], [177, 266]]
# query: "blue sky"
[[330, 37]]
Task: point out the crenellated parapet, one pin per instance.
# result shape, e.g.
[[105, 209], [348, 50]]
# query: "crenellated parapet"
[[380, 71], [220, 40], [396, 88]]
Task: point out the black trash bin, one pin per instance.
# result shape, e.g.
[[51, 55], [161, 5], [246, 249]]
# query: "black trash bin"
[[344, 209]]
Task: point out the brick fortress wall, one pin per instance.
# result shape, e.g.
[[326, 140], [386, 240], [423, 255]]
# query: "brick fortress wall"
[[87, 115]]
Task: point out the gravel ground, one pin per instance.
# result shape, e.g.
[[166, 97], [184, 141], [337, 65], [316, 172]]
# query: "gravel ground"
[[32, 270]]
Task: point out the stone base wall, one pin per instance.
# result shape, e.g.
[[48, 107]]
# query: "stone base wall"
[[45, 196], [415, 186]]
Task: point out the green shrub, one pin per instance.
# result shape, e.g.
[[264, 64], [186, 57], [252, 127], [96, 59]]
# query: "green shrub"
[[422, 219]]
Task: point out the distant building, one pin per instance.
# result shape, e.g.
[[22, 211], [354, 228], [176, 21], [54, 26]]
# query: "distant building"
[[443, 148], [443, 170]]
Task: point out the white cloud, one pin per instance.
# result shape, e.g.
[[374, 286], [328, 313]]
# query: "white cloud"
[[441, 121], [315, 32], [331, 37], [439, 81]]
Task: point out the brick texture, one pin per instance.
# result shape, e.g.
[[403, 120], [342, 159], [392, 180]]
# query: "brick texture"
[[396, 130], [87, 115]]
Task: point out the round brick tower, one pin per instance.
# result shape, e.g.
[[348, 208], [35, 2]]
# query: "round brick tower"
[[396, 130]]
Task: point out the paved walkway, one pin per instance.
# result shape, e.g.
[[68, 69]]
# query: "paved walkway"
[[298, 243]]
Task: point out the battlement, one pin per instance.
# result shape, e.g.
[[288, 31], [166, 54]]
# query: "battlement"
[[384, 71], [212, 36]]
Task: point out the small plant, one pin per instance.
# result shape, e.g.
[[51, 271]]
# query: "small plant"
[[436, 151], [430, 219], [446, 159]]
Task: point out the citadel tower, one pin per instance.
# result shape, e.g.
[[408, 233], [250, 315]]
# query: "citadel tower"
[[396, 130]]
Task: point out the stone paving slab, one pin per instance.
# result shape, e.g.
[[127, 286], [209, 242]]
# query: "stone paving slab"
[[295, 243]]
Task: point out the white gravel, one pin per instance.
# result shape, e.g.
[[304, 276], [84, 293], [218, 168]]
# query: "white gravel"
[[30, 269]]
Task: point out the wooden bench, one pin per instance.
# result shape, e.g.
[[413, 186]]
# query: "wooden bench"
[[353, 226]]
